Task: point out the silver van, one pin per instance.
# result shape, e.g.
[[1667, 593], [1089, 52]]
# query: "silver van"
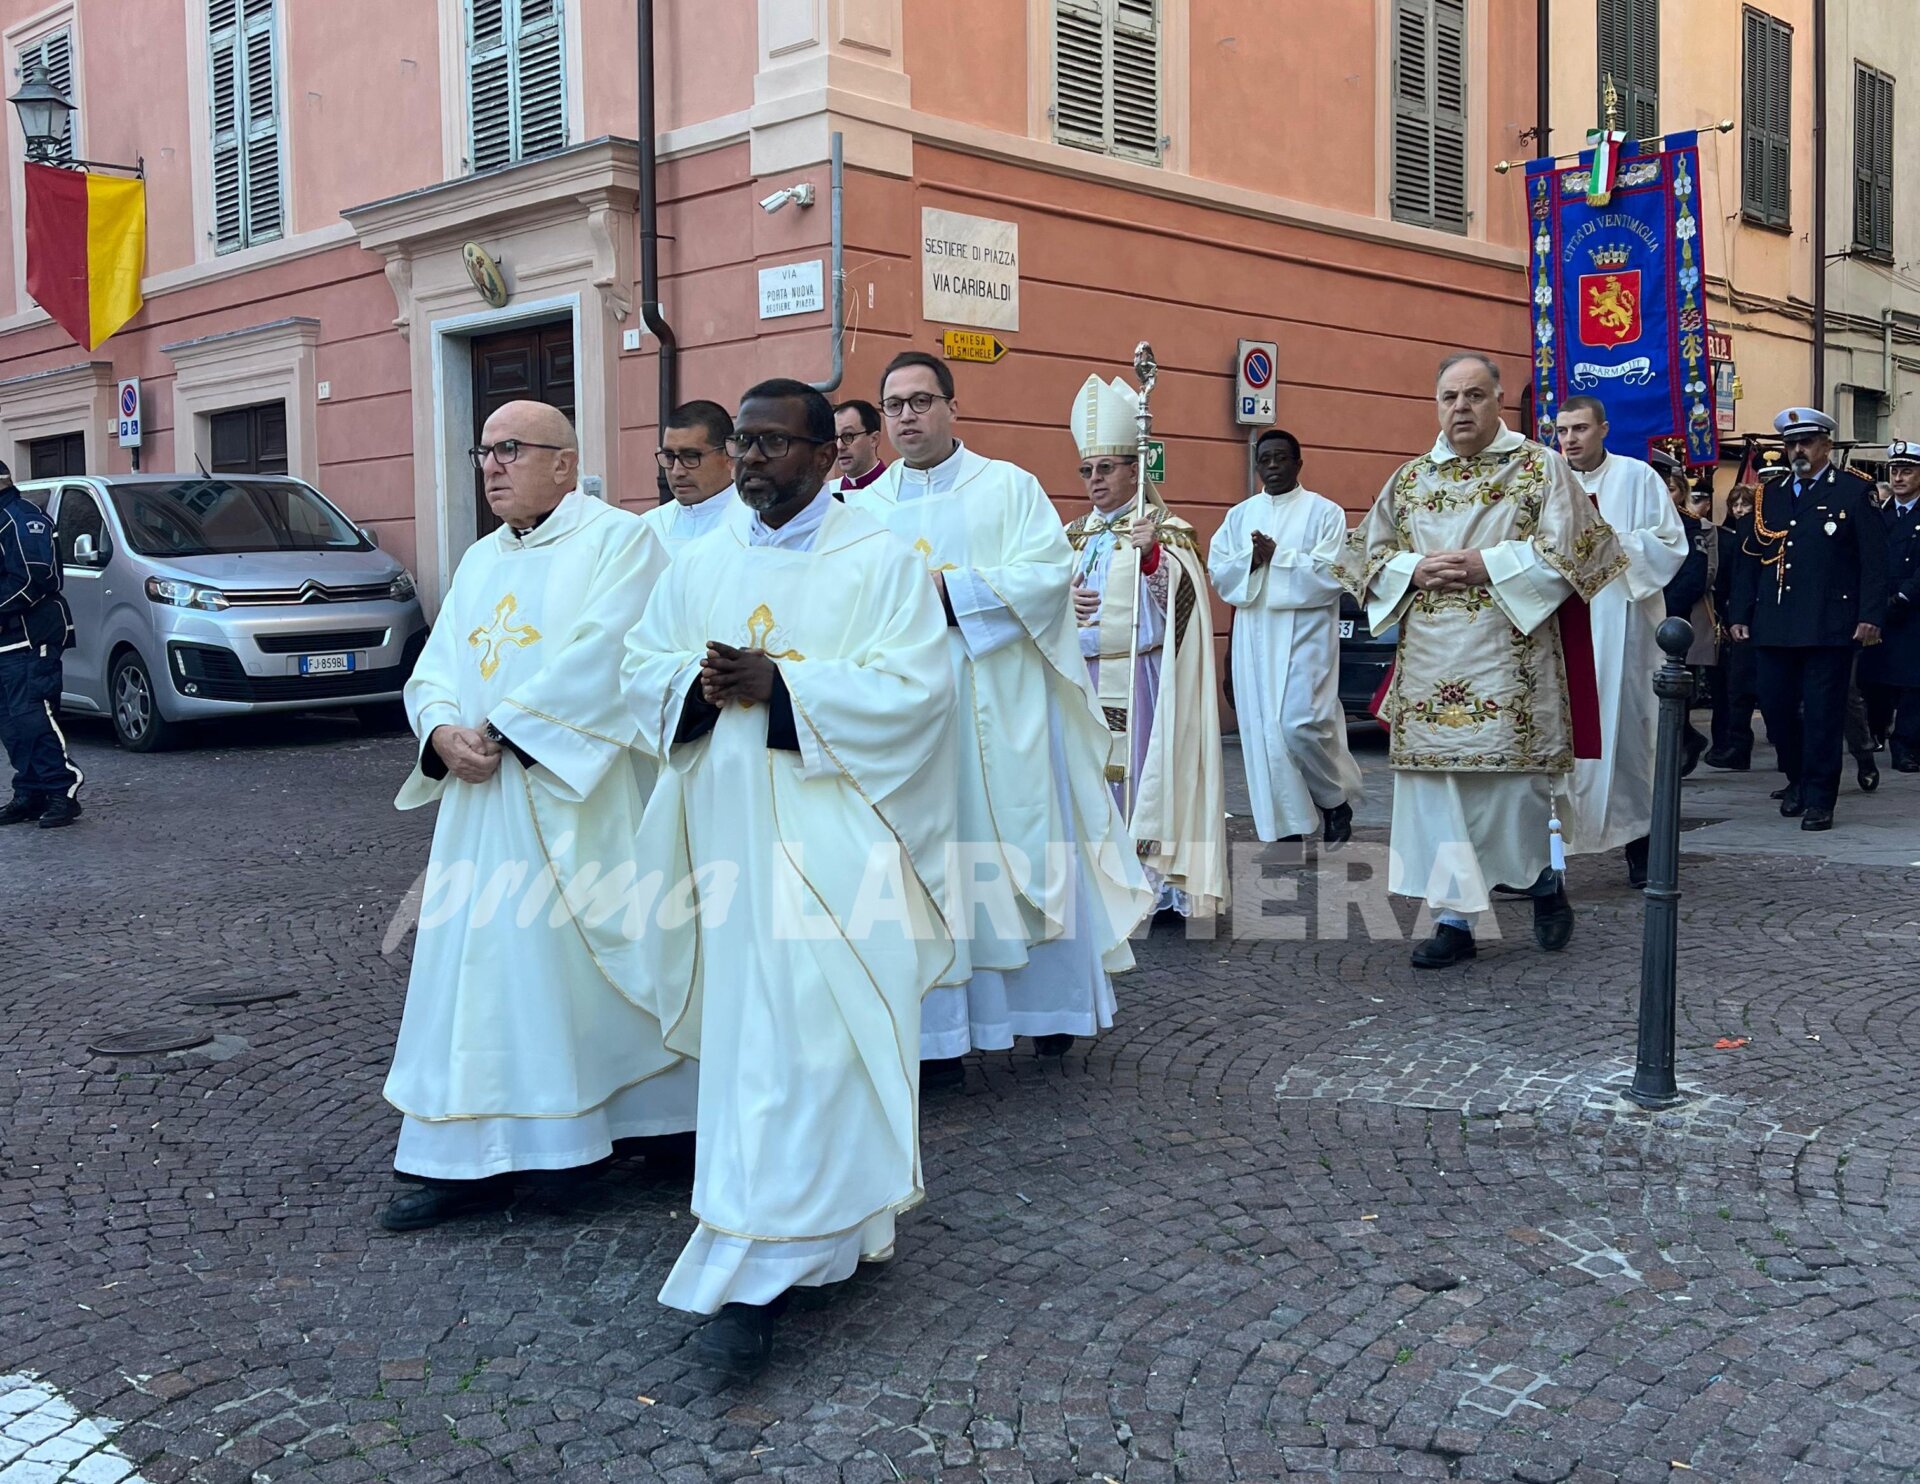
[[195, 597]]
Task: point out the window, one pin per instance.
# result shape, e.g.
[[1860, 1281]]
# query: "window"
[[516, 81], [1766, 119], [249, 440], [1867, 407], [1430, 113], [1630, 55], [1106, 77], [55, 53], [79, 515], [63, 453], [248, 194], [1872, 162]]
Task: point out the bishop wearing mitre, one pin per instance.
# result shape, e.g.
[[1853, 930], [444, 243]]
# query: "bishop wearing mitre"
[[1047, 885], [791, 675], [1140, 597], [1474, 549], [523, 1045]]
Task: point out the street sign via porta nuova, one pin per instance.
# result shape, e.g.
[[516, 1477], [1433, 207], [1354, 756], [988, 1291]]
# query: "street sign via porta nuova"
[[1256, 363], [127, 414]]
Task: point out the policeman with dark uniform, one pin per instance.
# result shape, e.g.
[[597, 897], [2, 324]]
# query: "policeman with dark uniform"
[[1894, 663], [33, 632], [1811, 590]]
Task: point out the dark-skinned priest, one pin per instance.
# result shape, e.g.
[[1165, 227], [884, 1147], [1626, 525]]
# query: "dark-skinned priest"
[[521, 1046], [791, 675]]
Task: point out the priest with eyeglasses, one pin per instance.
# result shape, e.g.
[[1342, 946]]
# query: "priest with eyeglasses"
[[1047, 885], [693, 455], [523, 1044]]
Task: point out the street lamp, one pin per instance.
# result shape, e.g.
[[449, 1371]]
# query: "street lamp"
[[44, 111]]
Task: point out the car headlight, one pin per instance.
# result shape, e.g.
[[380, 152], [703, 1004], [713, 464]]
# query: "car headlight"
[[402, 588], [181, 594]]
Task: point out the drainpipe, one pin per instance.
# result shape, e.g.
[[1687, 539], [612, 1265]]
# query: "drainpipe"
[[1886, 357], [650, 314], [832, 383], [1819, 397], [1543, 83]]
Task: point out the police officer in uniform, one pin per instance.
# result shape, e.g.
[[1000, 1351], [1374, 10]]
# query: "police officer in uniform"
[[33, 632], [1811, 590], [1894, 663]]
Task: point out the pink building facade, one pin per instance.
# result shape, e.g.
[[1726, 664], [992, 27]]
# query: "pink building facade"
[[321, 173]]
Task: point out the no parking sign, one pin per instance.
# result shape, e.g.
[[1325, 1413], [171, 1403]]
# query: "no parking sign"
[[1256, 363], [127, 424]]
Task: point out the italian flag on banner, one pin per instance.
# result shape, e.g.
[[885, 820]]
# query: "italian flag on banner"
[[86, 249]]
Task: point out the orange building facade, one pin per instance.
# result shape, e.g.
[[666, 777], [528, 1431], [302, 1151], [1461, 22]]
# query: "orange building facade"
[[1189, 172]]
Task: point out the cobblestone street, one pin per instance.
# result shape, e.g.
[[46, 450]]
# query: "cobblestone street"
[[1303, 1213]]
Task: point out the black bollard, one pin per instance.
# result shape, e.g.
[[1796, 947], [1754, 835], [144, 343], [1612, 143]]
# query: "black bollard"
[[1653, 1083]]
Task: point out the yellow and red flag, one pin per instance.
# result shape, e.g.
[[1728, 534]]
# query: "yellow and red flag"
[[86, 249]]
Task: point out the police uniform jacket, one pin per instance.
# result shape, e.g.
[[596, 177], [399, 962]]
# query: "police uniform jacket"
[[1832, 571], [1896, 659], [32, 612]]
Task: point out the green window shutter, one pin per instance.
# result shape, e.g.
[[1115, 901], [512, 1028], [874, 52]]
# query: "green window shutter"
[[516, 81], [1136, 80], [1429, 147]]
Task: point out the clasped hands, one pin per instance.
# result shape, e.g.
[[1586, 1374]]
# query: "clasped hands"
[[1450, 571], [470, 754], [744, 676]]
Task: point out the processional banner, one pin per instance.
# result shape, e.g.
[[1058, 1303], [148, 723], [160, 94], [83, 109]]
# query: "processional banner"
[[1619, 299]]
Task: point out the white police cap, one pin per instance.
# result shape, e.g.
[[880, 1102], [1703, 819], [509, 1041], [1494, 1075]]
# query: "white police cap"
[[1805, 422]]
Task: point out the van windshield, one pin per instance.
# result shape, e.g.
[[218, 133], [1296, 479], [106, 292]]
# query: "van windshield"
[[212, 517]]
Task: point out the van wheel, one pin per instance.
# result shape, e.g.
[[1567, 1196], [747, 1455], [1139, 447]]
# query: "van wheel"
[[137, 721], [383, 716]]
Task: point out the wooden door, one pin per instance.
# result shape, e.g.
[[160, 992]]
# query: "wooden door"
[[534, 364]]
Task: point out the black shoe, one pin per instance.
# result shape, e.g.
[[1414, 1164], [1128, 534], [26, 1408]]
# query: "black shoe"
[[1790, 804], [664, 1154], [1906, 765], [1339, 824], [1052, 1045], [429, 1205], [1696, 745], [1512, 891], [1553, 920], [1728, 762], [23, 809], [1868, 774], [1636, 854], [60, 812], [739, 1339], [942, 1073], [1448, 946], [1817, 819]]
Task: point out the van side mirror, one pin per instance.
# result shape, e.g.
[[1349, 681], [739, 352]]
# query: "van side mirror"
[[84, 554], [372, 538]]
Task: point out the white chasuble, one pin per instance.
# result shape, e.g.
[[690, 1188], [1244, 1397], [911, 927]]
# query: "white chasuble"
[[1286, 658], [1478, 703], [1051, 882], [521, 1046], [1612, 795], [809, 882], [677, 524], [1169, 744]]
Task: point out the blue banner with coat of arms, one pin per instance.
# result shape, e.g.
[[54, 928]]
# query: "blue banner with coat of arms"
[[1619, 302]]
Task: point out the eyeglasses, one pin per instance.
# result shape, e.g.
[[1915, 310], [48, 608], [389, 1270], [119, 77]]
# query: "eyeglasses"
[[771, 445], [686, 458], [506, 450], [1106, 468], [847, 440], [919, 402]]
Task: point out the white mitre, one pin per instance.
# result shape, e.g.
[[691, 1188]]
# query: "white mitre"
[[1106, 419]]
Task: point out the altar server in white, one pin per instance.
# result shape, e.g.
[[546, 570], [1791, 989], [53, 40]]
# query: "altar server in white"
[[522, 1046], [693, 456], [791, 673], [1049, 886], [1611, 796], [1273, 559]]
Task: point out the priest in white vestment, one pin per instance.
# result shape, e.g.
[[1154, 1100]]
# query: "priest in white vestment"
[[1611, 796], [521, 1046], [693, 456], [1049, 883], [1140, 593], [791, 674], [1472, 549], [1273, 560]]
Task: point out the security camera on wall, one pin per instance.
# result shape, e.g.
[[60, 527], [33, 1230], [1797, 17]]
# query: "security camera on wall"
[[799, 195]]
